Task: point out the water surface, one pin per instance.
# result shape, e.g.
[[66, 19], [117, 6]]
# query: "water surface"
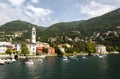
[[55, 68]]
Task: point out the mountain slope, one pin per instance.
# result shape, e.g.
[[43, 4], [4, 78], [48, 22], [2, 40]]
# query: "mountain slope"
[[11, 28], [102, 23], [17, 26]]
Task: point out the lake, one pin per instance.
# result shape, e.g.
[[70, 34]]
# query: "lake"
[[55, 68]]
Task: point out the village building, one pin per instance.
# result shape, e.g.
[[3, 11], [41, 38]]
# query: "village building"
[[4, 46], [17, 47], [32, 48], [51, 50], [40, 46], [101, 49]]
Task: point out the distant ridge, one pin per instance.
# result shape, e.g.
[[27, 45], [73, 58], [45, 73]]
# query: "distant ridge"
[[102, 23]]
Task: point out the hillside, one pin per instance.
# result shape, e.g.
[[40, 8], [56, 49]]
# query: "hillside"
[[86, 27], [17, 25], [103, 29], [9, 29]]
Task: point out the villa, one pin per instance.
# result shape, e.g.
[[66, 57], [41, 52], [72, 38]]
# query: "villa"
[[101, 49]]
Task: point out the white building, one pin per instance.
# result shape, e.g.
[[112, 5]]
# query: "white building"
[[17, 47], [32, 48], [4, 46], [101, 49]]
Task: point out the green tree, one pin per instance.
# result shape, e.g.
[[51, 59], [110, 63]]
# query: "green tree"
[[24, 49], [110, 48], [69, 50], [58, 51], [8, 51], [90, 48]]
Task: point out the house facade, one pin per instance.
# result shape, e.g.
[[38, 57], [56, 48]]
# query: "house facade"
[[101, 49], [40, 46], [51, 50], [4, 46], [32, 48]]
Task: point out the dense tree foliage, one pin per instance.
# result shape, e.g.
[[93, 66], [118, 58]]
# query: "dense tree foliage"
[[8, 51], [90, 48], [24, 49], [45, 50]]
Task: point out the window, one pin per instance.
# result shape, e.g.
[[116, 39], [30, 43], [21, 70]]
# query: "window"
[[34, 33]]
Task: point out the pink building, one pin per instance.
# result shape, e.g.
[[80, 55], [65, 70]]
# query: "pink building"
[[51, 50]]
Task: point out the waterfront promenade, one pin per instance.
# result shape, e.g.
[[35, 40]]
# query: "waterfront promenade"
[[28, 56]]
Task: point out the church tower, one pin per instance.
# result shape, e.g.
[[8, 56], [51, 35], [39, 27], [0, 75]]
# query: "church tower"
[[33, 37]]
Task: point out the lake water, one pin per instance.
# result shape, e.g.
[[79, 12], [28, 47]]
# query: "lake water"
[[55, 68]]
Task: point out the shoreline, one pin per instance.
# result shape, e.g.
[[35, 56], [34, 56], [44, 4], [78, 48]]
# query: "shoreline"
[[3, 56]]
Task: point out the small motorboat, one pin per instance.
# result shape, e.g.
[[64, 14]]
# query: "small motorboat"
[[13, 60], [84, 57], [73, 57], [40, 60], [100, 56], [2, 62], [65, 58], [29, 62]]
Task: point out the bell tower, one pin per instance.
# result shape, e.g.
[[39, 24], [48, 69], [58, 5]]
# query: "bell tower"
[[33, 37]]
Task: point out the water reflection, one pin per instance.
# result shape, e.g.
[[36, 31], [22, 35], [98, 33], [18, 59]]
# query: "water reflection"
[[35, 70], [56, 68], [51, 61]]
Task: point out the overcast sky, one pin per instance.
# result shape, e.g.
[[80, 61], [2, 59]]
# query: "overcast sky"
[[47, 12]]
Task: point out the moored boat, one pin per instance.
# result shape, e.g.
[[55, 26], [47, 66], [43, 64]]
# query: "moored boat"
[[65, 58], [29, 62], [2, 62]]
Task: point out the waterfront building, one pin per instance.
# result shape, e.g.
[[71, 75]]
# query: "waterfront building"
[[40, 46], [39, 50], [51, 50], [17, 47], [4, 46], [101, 49], [32, 48]]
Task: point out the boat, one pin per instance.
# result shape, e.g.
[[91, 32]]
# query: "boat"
[[40, 60], [84, 57], [100, 56], [73, 57], [8, 61], [13, 60], [29, 62], [65, 58], [2, 62]]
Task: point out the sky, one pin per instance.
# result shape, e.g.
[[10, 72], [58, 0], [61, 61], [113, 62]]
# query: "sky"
[[48, 12]]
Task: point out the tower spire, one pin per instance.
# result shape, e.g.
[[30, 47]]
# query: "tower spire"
[[33, 37]]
